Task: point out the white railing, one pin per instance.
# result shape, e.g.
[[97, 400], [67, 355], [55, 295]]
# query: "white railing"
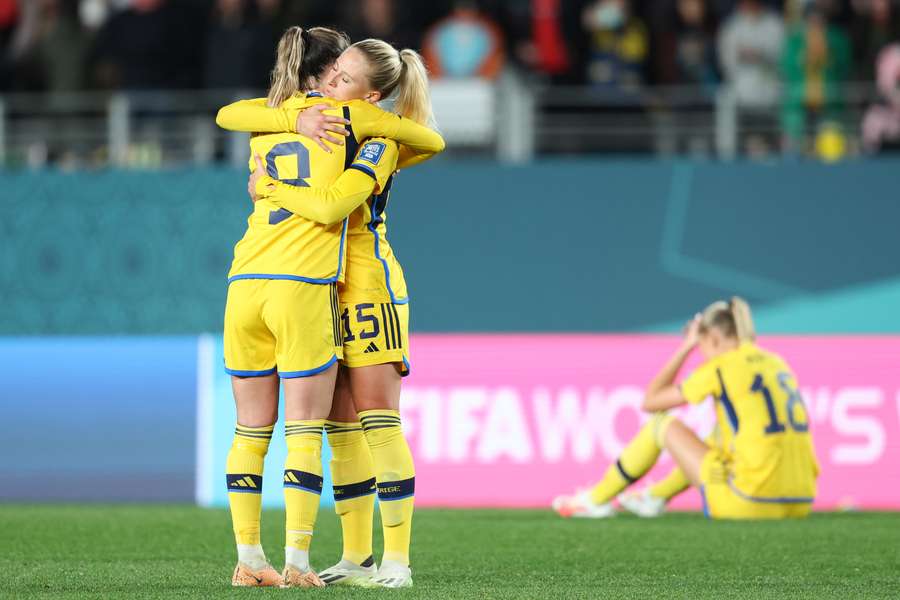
[[511, 120]]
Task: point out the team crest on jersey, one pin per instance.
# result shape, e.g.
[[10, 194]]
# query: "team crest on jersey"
[[372, 152]]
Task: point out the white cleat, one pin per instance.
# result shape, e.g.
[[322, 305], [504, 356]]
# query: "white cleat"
[[581, 506], [349, 573], [391, 575], [643, 504]]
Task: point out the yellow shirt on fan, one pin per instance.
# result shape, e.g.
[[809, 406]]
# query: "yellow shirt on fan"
[[279, 244], [763, 423]]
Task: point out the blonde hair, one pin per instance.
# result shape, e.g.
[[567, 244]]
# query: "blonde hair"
[[302, 57], [402, 72], [733, 319]]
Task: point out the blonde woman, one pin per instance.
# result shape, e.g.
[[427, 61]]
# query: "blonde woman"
[[364, 432], [765, 466], [282, 322]]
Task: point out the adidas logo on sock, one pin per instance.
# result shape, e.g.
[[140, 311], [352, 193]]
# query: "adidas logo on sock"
[[371, 348]]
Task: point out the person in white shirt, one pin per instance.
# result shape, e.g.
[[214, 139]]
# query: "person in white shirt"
[[750, 45]]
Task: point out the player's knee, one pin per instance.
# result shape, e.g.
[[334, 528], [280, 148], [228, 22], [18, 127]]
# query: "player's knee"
[[661, 424], [254, 440]]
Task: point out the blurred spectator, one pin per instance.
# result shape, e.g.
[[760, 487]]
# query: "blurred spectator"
[[687, 52], [61, 47], [875, 26], [240, 45], [9, 14], [93, 13], [22, 41], [464, 44], [618, 46], [881, 124], [9, 18], [750, 44], [308, 13], [154, 44], [546, 36], [382, 19], [816, 64]]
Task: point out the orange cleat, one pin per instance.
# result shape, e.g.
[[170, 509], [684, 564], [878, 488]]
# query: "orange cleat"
[[244, 576], [294, 578]]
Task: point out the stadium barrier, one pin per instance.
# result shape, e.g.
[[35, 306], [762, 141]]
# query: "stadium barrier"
[[493, 420], [617, 246], [512, 420], [98, 418]]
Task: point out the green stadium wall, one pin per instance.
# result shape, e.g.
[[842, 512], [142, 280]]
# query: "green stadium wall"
[[571, 245]]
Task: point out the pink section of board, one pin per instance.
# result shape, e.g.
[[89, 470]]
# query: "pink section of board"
[[513, 420]]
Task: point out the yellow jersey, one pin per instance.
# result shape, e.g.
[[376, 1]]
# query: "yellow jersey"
[[279, 244], [373, 273], [763, 423]]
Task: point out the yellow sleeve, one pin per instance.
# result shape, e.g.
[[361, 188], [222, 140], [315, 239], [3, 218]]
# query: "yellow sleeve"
[[370, 121], [255, 116], [409, 158], [701, 384], [378, 159], [374, 165]]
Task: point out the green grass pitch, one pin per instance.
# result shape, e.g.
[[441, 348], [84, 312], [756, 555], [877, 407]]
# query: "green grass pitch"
[[132, 551]]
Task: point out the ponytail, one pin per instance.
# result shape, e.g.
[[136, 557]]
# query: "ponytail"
[[303, 56], [402, 72], [286, 74], [732, 319], [413, 98], [743, 320]]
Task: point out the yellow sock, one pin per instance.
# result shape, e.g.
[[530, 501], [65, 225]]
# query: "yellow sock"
[[302, 485], [243, 474], [396, 477], [353, 476], [636, 459], [673, 484]]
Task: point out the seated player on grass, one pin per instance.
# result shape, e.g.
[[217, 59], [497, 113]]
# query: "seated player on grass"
[[652, 500], [764, 466]]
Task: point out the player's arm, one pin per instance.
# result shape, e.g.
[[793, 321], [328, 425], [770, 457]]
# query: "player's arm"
[[410, 158], [368, 174], [324, 205], [255, 116], [369, 121], [663, 393]]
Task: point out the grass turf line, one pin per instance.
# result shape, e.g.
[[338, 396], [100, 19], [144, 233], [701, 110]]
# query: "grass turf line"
[[135, 551]]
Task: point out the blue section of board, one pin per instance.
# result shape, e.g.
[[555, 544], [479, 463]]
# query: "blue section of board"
[[98, 418]]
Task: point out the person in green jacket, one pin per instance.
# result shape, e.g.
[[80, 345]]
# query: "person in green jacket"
[[815, 63]]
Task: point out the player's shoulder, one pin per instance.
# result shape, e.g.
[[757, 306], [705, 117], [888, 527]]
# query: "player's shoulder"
[[752, 357], [307, 99], [774, 360], [378, 157], [361, 108], [726, 364], [374, 150]]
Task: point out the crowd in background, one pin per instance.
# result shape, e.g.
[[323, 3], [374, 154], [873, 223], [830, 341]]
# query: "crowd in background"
[[796, 55], [89, 44]]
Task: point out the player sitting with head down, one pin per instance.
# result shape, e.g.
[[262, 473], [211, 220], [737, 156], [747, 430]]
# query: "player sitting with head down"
[[764, 466], [652, 500]]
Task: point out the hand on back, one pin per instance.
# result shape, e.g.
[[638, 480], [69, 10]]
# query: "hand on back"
[[319, 127], [255, 176]]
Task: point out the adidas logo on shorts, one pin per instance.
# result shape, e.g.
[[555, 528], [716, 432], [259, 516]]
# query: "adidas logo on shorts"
[[371, 348]]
